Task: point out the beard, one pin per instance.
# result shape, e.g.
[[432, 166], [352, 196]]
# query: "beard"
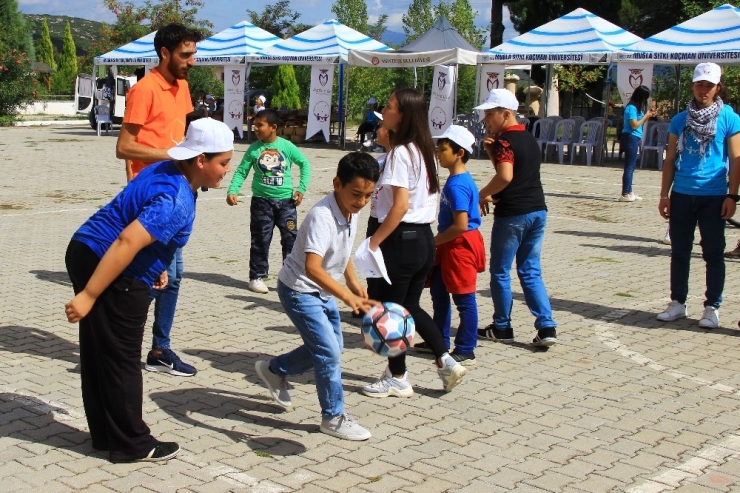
[[179, 72]]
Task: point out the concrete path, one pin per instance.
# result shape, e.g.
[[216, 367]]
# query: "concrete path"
[[623, 403]]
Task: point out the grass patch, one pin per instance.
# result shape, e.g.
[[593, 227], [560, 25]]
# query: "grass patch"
[[375, 479], [230, 261], [596, 260], [213, 257], [262, 453], [626, 295], [599, 219], [10, 207]]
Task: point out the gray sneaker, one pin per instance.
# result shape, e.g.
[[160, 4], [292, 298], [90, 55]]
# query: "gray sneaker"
[[278, 386], [343, 426], [389, 385], [451, 373]]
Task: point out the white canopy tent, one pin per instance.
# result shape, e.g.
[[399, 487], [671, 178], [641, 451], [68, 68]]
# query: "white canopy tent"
[[233, 44]]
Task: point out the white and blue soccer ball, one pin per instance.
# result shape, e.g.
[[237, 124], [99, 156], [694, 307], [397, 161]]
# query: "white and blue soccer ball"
[[388, 329]]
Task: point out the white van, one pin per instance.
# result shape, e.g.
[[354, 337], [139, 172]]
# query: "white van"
[[89, 93]]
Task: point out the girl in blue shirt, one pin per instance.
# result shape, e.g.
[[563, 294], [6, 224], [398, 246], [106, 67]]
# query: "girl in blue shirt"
[[635, 115]]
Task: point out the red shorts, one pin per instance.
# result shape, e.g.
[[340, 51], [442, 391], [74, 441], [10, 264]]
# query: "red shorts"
[[461, 260]]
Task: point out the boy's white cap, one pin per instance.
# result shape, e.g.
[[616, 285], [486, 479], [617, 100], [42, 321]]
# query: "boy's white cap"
[[499, 98], [459, 135], [262, 98], [710, 72], [370, 263], [204, 135], [372, 101]]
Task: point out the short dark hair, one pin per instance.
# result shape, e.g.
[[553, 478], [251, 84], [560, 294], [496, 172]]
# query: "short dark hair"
[[269, 115], [171, 35], [358, 164], [455, 148]]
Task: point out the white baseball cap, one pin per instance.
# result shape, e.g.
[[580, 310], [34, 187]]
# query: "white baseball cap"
[[204, 135], [499, 98], [372, 101], [710, 72], [262, 98], [459, 135]]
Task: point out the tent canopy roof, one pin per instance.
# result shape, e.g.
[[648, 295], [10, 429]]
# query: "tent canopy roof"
[[713, 36], [326, 43], [440, 36], [138, 52], [230, 45], [579, 37]]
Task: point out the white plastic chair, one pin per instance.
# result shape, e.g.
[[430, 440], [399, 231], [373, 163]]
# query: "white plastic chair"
[[102, 117], [589, 135], [562, 136], [655, 141], [543, 131]]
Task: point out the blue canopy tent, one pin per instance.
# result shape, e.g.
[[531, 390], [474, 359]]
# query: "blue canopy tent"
[[328, 43], [233, 44]]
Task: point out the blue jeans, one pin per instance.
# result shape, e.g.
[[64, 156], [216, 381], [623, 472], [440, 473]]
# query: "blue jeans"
[[467, 333], [264, 215], [686, 212], [165, 302], [320, 328], [519, 237], [629, 143]]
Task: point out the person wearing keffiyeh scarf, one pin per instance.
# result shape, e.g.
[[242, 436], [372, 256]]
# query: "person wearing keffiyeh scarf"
[[703, 143]]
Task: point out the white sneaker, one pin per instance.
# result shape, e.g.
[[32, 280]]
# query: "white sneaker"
[[667, 239], [258, 286], [710, 318], [277, 385], [635, 196], [451, 373], [626, 198], [673, 311], [343, 426], [389, 385]]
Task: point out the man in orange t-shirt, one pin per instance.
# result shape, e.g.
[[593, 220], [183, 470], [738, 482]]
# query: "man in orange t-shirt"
[[156, 111]]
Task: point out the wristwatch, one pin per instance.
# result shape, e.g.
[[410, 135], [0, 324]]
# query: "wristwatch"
[[734, 197]]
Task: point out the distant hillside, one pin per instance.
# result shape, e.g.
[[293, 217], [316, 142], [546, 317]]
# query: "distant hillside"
[[393, 38], [83, 30]]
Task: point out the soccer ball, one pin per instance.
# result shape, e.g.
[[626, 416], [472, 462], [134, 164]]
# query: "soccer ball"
[[388, 329]]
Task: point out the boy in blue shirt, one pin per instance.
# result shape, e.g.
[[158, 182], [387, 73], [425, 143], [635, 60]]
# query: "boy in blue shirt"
[[460, 254], [307, 285]]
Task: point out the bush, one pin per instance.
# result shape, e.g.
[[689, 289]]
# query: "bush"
[[17, 82]]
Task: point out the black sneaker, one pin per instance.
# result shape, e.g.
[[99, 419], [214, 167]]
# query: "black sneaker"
[[163, 451], [169, 362], [505, 336], [423, 347], [464, 359], [545, 337], [486, 333]]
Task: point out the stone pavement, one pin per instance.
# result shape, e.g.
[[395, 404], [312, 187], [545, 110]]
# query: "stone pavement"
[[623, 403]]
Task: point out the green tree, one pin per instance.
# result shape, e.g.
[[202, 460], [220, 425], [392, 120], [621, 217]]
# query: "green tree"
[[377, 30], [45, 50], [14, 33], [17, 83], [285, 88], [203, 78], [462, 17], [351, 13], [277, 18], [62, 82], [418, 19]]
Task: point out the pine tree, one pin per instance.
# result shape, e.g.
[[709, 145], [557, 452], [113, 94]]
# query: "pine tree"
[[14, 33], [285, 89], [45, 51], [62, 82]]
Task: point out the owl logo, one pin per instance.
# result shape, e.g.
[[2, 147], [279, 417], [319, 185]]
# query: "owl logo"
[[441, 80], [438, 118], [235, 110], [375, 60], [321, 111], [323, 76], [236, 77], [635, 78], [492, 81]]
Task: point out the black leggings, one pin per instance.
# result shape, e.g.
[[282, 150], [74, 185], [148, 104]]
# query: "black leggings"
[[409, 255]]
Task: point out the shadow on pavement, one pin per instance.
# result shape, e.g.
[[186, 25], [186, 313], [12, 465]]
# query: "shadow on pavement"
[[185, 404], [218, 279], [57, 277], [39, 342], [612, 236]]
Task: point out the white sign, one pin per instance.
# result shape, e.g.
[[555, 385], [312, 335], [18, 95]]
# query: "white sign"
[[491, 77], [442, 103], [630, 76], [319, 104], [234, 77]]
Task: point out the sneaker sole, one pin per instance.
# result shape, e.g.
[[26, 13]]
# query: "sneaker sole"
[[504, 341], [707, 325], [468, 362], [158, 459], [546, 342], [275, 399], [259, 291], [455, 378], [392, 392], [354, 438], [166, 369], [671, 319]]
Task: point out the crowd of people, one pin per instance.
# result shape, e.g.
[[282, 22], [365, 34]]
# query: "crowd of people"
[[130, 251]]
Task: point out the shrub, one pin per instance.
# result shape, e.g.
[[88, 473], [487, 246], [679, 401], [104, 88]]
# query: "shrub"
[[17, 82]]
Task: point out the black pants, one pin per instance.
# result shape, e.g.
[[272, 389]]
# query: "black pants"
[[110, 359], [409, 255], [364, 128], [264, 215]]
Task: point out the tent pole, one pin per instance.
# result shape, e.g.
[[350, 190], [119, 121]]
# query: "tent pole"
[[415, 78], [476, 97], [548, 76], [605, 127], [340, 110], [454, 98], [676, 101]]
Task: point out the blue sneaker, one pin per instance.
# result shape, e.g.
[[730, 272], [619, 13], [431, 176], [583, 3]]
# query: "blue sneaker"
[[168, 362]]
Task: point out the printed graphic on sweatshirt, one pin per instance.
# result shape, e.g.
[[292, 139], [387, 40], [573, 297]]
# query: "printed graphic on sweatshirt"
[[272, 164]]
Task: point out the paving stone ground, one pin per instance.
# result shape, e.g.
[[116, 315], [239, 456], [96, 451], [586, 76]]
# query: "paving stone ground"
[[622, 403]]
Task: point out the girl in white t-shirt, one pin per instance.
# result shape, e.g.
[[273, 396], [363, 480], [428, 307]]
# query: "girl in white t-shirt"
[[405, 200]]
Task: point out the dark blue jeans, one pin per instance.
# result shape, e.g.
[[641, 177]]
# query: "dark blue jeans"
[[166, 302], [686, 212], [629, 144], [467, 333], [265, 214]]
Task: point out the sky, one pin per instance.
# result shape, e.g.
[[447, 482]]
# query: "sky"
[[225, 13]]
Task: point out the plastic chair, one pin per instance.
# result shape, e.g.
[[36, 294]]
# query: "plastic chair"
[[543, 131], [102, 117], [523, 120], [589, 137], [655, 141], [579, 121], [562, 136], [478, 129]]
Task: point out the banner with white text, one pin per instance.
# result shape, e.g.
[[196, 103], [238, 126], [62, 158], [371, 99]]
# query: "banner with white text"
[[319, 104], [234, 77], [442, 103], [630, 76], [491, 77]]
